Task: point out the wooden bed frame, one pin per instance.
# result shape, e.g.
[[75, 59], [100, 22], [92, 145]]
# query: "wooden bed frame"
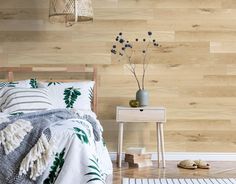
[[56, 68]]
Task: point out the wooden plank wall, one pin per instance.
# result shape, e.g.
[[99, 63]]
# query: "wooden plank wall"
[[192, 74]]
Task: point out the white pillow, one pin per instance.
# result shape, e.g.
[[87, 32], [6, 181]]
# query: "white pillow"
[[76, 95], [23, 84], [30, 83], [16, 100]]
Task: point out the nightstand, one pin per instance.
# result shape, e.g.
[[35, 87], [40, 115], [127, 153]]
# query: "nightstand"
[[142, 114]]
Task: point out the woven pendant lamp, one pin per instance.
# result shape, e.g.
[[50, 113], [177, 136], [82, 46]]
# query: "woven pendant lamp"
[[70, 11]]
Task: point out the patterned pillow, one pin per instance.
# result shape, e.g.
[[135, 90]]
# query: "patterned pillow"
[[31, 83], [15, 100], [76, 95]]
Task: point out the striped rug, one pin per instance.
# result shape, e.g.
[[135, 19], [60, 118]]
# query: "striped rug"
[[179, 181]]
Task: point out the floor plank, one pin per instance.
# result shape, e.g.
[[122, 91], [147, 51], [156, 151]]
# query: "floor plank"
[[218, 170]]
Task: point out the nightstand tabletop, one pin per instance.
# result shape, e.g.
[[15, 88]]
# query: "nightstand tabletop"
[[141, 114], [135, 108]]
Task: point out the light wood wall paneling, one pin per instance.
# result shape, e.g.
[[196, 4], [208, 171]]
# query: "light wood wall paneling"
[[192, 74], [172, 4], [223, 47], [228, 4], [212, 36], [192, 25]]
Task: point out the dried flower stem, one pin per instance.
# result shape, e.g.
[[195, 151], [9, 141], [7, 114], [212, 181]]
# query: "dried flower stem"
[[132, 67], [145, 64]]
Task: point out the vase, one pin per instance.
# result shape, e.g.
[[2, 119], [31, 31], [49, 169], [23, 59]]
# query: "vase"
[[142, 96]]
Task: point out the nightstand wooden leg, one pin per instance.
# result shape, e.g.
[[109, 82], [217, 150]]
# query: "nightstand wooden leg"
[[158, 143], [120, 144], [162, 145]]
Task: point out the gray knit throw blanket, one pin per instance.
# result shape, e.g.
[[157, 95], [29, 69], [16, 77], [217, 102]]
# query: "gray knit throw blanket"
[[11, 159]]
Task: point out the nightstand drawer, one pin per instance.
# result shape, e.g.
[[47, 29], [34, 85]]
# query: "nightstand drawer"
[[141, 115]]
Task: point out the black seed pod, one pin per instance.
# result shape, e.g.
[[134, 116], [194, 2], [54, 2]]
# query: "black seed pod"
[[121, 41]]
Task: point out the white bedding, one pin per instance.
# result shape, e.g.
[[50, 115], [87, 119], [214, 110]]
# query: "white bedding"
[[77, 158]]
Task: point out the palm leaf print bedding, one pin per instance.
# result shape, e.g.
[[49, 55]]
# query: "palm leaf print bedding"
[[71, 144]]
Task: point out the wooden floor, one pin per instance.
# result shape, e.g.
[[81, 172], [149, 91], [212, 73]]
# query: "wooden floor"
[[218, 170]]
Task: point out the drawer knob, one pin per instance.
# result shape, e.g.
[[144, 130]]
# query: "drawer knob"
[[141, 110]]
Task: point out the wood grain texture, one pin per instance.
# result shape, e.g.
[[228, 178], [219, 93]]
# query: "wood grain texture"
[[192, 74], [223, 47], [218, 170]]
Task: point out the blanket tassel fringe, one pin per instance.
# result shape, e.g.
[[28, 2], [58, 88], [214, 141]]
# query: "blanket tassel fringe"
[[38, 158], [13, 134]]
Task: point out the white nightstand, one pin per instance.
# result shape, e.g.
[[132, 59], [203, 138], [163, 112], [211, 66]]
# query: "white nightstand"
[[142, 114]]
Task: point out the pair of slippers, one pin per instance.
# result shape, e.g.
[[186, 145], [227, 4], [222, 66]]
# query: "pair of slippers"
[[190, 164]]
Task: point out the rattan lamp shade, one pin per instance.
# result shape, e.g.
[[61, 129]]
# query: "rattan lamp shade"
[[70, 10]]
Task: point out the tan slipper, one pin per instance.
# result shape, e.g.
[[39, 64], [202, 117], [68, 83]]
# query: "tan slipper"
[[187, 164], [202, 164]]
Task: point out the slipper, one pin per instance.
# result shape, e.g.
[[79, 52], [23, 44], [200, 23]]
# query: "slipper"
[[202, 164], [187, 164]]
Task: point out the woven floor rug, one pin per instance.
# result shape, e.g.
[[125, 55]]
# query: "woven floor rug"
[[179, 181]]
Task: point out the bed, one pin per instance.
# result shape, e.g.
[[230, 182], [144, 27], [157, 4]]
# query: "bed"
[[49, 130]]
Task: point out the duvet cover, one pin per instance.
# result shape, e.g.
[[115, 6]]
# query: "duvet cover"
[[59, 146]]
